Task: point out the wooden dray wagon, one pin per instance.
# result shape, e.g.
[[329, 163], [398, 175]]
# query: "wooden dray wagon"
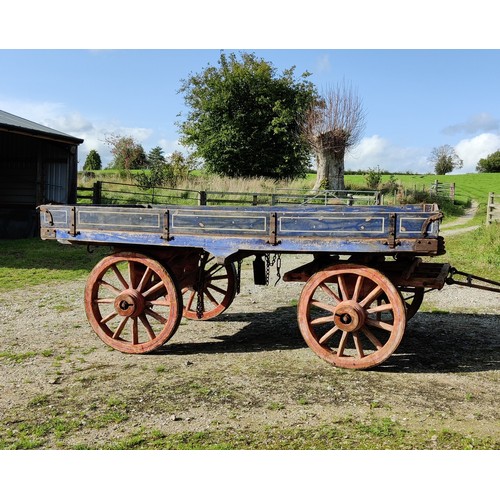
[[366, 276]]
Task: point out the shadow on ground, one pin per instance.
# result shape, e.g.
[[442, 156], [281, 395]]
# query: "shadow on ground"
[[433, 342]]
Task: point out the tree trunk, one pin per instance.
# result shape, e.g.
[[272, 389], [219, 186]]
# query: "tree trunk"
[[330, 170]]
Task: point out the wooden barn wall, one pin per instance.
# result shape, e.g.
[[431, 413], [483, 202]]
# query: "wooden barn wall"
[[33, 171]]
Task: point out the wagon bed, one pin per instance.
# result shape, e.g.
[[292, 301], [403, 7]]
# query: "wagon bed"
[[365, 280], [225, 231]]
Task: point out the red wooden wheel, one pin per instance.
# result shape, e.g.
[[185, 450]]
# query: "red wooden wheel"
[[351, 316], [132, 302], [413, 298], [218, 286]]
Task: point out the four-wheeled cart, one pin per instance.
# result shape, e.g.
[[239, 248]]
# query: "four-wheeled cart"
[[365, 280]]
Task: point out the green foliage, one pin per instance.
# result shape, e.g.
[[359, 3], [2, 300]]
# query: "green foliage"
[[244, 118], [162, 172], [93, 161], [489, 164], [127, 153], [445, 160], [373, 178]]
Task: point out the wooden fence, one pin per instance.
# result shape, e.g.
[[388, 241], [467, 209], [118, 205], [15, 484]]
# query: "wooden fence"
[[104, 193], [493, 209]]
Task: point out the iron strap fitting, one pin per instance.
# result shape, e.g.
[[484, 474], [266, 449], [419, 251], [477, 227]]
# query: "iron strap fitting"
[[72, 226], [391, 240], [468, 281], [273, 230], [166, 226]]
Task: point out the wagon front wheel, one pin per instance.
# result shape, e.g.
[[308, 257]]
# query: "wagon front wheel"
[[351, 316], [132, 302]]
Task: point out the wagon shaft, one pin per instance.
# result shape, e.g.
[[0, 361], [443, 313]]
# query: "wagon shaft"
[[469, 278]]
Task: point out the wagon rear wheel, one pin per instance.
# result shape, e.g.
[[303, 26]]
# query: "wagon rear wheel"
[[217, 284], [351, 316], [132, 302]]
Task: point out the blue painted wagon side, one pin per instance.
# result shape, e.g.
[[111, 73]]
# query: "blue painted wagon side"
[[224, 231]]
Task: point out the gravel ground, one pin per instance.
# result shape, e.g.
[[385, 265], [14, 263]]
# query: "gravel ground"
[[247, 369]]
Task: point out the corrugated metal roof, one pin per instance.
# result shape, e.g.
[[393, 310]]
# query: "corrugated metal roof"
[[13, 122]]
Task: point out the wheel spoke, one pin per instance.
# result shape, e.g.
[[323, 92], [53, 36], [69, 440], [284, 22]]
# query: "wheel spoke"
[[342, 343], [342, 288], [135, 331], [374, 340], [109, 317], [357, 288], [104, 301], [357, 343], [328, 335], [380, 308], [156, 316], [219, 277], [330, 293], [165, 302], [323, 305], [145, 278], [109, 286], [371, 296], [190, 300], [216, 288], [119, 275], [322, 320], [154, 288], [147, 326], [120, 328], [379, 324], [211, 298]]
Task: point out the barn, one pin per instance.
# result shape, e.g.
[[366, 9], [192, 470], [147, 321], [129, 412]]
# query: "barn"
[[37, 165]]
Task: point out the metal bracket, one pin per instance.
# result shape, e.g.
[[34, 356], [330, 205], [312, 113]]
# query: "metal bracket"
[[166, 226], [47, 233], [273, 230], [391, 240], [72, 227], [429, 221], [46, 212]]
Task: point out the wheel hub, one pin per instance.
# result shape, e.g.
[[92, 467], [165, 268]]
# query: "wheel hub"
[[129, 303], [349, 316]]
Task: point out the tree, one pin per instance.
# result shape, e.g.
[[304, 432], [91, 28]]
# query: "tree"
[[165, 172], [93, 161], [244, 119], [333, 125], [445, 159], [127, 153], [489, 164]]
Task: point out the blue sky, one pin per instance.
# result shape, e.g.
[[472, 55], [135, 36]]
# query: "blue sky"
[[415, 99]]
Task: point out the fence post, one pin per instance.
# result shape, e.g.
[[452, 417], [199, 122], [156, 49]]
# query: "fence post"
[[97, 193], [254, 200], [202, 197], [452, 191], [490, 208]]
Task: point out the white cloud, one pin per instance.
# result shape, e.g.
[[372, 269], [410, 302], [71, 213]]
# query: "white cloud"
[[57, 116], [323, 64], [472, 150], [481, 122], [376, 151]]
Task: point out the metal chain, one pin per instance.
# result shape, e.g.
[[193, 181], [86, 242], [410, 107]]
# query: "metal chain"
[[269, 263], [200, 285]]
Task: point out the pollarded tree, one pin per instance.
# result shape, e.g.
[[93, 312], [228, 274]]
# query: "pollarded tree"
[[445, 159], [333, 126], [244, 118], [489, 164], [93, 161]]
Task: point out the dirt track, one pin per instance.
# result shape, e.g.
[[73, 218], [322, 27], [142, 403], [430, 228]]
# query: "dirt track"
[[247, 369]]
